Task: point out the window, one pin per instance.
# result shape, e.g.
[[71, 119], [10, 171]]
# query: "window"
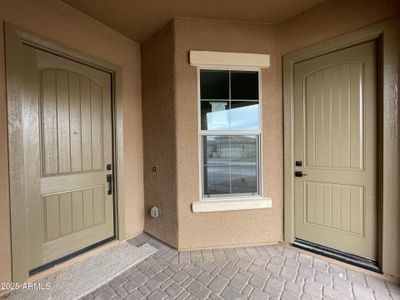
[[230, 132]]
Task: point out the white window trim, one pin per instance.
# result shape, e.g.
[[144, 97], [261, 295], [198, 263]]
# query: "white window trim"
[[244, 201], [231, 205]]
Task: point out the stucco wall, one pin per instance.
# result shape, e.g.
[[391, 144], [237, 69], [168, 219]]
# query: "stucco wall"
[[159, 134], [233, 228], [57, 21], [329, 19], [219, 229]]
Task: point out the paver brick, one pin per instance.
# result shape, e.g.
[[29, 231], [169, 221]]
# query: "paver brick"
[[205, 266], [121, 292], [306, 260], [180, 276], [230, 270], [288, 295], [256, 270], [134, 296], [337, 294], [238, 282], [376, 284], [293, 287], [243, 264], [362, 292], [198, 290], [218, 284], [231, 294], [205, 278], [258, 281], [157, 295], [274, 269], [144, 290], [258, 295], [320, 265], [248, 289], [106, 295], [356, 277], [135, 282], [196, 256], [312, 288], [191, 270], [289, 272], [323, 278], [261, 272], [274, 286], [174, 290]]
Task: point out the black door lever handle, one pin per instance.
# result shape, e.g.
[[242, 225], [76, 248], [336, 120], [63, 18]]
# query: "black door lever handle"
[[109, 180], [299, 174]]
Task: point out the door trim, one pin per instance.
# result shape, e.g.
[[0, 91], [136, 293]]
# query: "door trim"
[[13, 35], [387, 35]]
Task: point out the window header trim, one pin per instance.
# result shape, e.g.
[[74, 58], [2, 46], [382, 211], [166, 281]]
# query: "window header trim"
[[229, 59]]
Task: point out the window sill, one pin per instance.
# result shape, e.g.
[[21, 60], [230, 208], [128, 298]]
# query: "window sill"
[[231, 205]]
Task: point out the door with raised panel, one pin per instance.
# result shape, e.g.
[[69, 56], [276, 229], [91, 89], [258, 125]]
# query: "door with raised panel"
[[335, 150], [67, 146]]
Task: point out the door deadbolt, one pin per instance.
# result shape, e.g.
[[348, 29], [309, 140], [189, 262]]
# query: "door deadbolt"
[[109, 180]]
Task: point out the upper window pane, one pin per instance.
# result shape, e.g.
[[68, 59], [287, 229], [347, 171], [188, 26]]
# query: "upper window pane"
[[214, 84], [244, 85], [214, 115], [243, 115]]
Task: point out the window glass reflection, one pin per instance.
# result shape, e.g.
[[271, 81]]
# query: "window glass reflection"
[[214, 84], [230, 165], [244, 115]]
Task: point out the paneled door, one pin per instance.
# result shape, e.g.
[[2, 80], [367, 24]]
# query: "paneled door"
[[66, 153], [336, 150]]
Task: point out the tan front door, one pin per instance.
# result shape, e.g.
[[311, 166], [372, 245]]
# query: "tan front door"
[[67, 129], [335, 144]]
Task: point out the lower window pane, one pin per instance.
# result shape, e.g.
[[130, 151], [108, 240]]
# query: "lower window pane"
[[216, 180], [230, 165], [244, 178], [244, 160]]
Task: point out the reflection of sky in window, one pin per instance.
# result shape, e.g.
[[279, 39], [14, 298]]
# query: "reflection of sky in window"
[[241, 118]]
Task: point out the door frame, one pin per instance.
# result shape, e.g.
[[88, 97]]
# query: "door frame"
[[19, 235], [387, 35]]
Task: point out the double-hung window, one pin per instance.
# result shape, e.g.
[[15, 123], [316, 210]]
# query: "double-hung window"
[[230, 133]]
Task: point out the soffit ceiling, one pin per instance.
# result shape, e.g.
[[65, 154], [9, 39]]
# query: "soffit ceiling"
[[139, 19]]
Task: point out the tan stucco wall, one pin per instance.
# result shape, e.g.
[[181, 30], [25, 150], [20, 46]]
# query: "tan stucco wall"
[[219, 229], [57, 21], [234, 228], [329, 19], [159, 134]]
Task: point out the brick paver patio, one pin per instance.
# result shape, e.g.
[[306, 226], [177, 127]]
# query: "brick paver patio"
[[264, 272]]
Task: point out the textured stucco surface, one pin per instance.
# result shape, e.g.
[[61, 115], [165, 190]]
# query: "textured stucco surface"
[[329, 19], [59, 22], [235, 228], [219, 229], [159, 134], [170, 102]]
